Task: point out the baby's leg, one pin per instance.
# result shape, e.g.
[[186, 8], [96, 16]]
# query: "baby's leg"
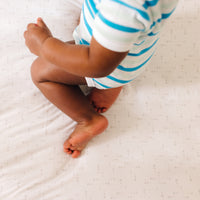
[[61, 89], [103, 99]]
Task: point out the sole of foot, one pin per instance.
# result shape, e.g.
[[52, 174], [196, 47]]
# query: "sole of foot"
[[83, 133]]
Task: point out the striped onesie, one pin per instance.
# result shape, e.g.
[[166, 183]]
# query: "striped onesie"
[[123, 25]]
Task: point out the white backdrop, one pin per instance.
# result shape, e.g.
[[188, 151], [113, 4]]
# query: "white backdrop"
[[151, 150]]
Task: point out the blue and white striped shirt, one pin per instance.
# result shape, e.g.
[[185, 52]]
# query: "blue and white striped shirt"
[[124, 25]]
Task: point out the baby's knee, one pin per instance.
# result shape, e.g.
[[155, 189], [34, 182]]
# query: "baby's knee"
[[37, 71]]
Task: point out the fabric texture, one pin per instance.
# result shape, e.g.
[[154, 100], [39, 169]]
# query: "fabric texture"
[[151, 149], [124, 25]]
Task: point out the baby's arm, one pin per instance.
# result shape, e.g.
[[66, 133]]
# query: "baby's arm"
[[86, 61], [81, 60]]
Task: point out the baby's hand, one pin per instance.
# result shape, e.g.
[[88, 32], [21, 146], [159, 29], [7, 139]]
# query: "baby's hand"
[[35, 35]]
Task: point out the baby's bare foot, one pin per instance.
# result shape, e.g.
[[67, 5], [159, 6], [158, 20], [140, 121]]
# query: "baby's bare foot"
[[83, 133], [103, 99]]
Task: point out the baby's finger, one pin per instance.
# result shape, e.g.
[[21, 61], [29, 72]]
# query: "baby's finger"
[[41, 23]]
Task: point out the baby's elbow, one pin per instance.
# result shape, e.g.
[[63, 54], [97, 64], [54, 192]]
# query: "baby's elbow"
[[100, 73], [99, 70]]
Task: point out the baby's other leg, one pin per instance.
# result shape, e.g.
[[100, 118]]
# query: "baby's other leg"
[[60, 88], [102, 100]]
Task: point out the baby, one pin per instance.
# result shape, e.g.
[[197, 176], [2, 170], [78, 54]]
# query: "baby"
[[112, 45]]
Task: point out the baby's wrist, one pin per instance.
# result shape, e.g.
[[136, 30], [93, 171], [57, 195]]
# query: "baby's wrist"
[[44, 46]]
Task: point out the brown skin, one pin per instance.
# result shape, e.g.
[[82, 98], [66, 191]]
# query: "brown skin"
[[57, 72], [85, 61]]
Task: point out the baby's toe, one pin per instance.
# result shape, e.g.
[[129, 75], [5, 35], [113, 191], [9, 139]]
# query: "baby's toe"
[[68, 151], [103, 109], [99, 110], [67, 146], [76, 154]]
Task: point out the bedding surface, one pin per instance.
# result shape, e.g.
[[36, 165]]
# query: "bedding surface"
[[151, 149]]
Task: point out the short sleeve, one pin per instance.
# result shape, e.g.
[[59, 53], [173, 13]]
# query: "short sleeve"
[[116, 26]]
